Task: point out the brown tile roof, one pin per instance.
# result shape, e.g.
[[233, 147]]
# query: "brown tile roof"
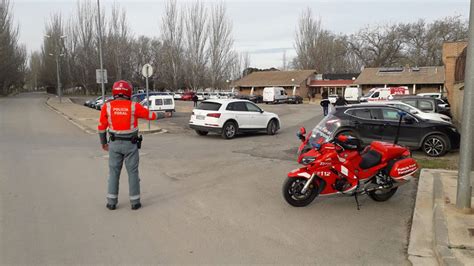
[[331, 83], [425, 75], [274, 78]]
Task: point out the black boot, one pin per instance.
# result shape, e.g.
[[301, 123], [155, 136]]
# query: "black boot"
[[136, 206], [111, 206]]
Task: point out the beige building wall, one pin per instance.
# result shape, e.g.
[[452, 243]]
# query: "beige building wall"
[[451, 51]]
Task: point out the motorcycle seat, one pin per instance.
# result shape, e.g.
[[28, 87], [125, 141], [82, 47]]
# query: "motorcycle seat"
[[370, 159]]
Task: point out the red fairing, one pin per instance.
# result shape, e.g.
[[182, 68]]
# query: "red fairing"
[[300, 172], [388, 150], [403, 168]]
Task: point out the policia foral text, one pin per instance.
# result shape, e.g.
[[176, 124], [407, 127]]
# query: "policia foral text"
[[120, 117]]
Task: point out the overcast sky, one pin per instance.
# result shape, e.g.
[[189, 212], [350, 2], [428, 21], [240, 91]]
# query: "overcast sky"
[[264, 28]]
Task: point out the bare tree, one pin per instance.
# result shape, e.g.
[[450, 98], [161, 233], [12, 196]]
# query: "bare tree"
[[221, 55], [378, 46], [307, 35], [117, 45], [447, 29], [320, 49], [34, 67], [236, 67], [53, 49], [196, 41], [172, 36], [12, 54], [82, 46], [142, 53]]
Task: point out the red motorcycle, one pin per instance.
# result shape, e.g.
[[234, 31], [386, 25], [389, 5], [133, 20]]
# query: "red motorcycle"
[[340, 166]]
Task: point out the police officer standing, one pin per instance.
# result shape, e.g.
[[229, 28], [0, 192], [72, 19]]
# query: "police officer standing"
[[120, 117]]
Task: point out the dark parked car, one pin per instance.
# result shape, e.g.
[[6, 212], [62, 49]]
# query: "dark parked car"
[[426, 104], [252, 98], [379, 122], [295, 99]]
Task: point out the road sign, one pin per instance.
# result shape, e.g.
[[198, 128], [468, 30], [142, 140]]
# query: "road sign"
[[147, 70], [101, 75]]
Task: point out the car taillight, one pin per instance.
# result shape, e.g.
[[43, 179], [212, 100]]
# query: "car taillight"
[[215, 115]]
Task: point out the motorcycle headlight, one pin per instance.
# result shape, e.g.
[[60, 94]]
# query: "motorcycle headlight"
[[308, 160]]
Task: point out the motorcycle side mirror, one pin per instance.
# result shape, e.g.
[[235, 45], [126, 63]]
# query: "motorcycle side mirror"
[[301, 134], [303, 131]]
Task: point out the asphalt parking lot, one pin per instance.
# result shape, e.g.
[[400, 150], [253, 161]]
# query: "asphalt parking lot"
[[206, 200]]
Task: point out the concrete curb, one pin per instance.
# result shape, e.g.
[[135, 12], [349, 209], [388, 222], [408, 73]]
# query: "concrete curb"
[[89, 130], [70, 119], [441, 248]]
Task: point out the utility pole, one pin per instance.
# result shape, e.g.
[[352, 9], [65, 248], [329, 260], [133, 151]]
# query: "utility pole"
[[464, 189], [57, 56], [99, 24], [59, 78]]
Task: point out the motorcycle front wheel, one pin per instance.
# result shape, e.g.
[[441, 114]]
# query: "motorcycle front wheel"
[[292, 192]]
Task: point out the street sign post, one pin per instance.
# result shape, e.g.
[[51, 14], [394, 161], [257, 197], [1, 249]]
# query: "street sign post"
[[101, 76], [147, 71]]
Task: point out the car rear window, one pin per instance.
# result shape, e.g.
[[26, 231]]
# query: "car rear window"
[[209, 106]]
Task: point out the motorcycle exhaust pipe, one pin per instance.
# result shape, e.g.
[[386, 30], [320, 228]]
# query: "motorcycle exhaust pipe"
[[306, 186], [395, 185]]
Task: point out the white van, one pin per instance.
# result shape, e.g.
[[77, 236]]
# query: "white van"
[[274, 95], [352, 93], [383, 94], [160, 103], [213, 95]]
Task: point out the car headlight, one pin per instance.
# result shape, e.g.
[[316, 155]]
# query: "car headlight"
[[447, 119], [308, 160]]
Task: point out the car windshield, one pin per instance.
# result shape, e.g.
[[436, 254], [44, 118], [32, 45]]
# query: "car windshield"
[[209, 106], [368, 94], [324, 131]]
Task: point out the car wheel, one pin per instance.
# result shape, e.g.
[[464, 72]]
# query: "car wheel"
[[435, 146], [272, 127], [229, 130], [202, 133]]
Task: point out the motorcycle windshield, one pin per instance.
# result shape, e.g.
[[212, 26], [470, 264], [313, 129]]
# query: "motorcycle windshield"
[[325, 130]]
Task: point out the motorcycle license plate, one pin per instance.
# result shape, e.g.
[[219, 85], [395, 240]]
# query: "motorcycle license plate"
[[200, 117]]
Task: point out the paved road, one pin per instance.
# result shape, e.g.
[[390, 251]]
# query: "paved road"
[[206, 200]]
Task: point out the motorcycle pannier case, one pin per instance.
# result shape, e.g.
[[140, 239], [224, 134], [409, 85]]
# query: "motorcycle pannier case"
[[403, 168]]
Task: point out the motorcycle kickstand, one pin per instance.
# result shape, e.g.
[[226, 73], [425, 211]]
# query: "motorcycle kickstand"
[[357, 201], [355, 196]]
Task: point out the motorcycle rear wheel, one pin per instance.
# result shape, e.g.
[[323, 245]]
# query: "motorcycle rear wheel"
[[292, 192], [382, 195]]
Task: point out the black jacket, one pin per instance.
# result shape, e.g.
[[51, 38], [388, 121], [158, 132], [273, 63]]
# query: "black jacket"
[[324, 103], [340, 102]]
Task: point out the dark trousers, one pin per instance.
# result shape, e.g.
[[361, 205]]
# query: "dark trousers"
[[325, 111], [195, 103]]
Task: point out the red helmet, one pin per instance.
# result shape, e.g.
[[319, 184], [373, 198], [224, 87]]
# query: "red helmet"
[[122, 88]]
